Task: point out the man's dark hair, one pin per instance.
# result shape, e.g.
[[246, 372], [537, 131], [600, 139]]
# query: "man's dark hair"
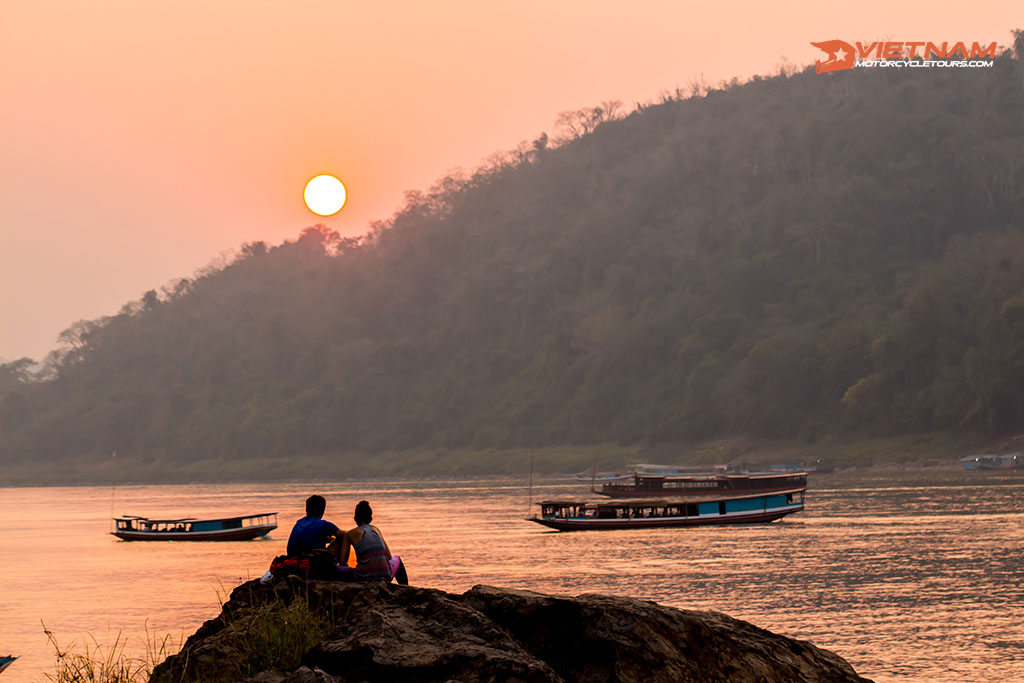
[[315, 506], [364, 513]]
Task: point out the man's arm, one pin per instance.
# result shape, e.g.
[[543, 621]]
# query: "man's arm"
[[340, 548]]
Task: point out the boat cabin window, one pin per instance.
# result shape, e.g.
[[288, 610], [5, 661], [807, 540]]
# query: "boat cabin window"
[[721, 507], [149, 526], [563, 511]]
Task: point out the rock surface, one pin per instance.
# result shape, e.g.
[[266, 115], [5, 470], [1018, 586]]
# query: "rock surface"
[[377, 632]]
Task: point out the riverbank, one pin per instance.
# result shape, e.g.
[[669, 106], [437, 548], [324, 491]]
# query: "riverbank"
[[297, 630], [912, 450]]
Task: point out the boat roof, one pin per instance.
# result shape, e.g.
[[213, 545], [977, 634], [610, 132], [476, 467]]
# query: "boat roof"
[[127, 518], [674, 501]]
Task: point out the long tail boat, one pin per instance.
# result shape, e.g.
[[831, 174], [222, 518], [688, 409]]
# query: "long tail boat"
[[132, 528], [645, 514], [710, 484]]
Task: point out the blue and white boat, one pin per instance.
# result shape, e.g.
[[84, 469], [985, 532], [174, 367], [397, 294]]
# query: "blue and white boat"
[[566, 515], [244, 528]]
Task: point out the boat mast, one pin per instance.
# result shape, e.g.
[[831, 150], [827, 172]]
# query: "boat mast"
[[113, 490]]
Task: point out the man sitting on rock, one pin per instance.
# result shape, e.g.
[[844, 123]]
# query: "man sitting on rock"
[[374, 561], [312, 532]]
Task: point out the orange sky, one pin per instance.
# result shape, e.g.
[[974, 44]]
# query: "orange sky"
[[140, 138]]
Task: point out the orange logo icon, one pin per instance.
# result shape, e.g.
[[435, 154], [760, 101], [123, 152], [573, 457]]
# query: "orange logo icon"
[[841, 55]]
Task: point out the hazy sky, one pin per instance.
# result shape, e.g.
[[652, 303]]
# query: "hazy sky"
[[140, 138]]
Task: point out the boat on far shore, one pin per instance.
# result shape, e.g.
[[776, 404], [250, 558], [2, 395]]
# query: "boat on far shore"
[[603, 476], [244, 528], [569, 515], [993, 461], [816, 466]]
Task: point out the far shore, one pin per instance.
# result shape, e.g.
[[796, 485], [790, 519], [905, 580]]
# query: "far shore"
[[932, 450]]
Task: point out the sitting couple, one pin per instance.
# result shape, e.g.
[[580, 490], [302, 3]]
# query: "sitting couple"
[[374, 561]]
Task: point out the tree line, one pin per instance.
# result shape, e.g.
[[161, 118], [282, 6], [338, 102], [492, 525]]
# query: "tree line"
[[794, 256]]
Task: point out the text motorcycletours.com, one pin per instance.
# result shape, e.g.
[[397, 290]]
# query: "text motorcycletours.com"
[[912, 63]]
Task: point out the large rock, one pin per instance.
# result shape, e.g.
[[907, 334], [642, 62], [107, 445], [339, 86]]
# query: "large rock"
[[299, 631]]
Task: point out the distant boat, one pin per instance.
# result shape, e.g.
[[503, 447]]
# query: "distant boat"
[[647, 469], [711, 484], [604, 476], [6, 661], [132, 528], [819, 466], [646, 514], [993, 461]]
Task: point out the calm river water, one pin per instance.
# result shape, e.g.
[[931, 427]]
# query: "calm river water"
[[908, 575]]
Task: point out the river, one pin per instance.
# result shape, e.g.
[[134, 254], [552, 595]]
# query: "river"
[[907, 574]]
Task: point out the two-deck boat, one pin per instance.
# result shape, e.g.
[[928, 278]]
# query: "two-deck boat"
[[644, 514], [710, 484], [132, 528]]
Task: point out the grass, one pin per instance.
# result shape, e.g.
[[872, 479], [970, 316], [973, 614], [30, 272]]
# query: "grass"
[[274, 634], [99, 664], [271, 634]]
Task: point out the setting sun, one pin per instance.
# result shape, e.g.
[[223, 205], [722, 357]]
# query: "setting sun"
[[325, 195]]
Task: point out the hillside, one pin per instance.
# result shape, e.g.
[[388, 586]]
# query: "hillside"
[[792, 257]]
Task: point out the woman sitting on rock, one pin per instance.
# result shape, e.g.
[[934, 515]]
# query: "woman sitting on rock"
[[374, 561]]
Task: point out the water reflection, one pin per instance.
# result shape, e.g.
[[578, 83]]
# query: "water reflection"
[[905, 574]]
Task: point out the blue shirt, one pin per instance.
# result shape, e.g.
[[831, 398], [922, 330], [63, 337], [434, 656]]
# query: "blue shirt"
[[310, 533]]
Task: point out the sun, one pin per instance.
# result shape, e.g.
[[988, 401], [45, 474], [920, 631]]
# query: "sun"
[[325, 195]]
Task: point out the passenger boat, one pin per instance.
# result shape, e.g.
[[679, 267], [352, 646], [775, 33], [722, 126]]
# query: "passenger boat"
[[712, 484], [646, 514], [132, 528], [6, 661]]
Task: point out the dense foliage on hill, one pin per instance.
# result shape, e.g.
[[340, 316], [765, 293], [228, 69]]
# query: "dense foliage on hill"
[[793, 256]]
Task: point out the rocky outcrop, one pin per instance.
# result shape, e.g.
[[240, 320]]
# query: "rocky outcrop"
[[318, 631]]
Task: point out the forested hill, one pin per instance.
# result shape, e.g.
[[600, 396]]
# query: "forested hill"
[[792, 256]]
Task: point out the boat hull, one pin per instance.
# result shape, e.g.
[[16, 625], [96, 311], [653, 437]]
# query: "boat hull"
[[761, 517], [244, 534]]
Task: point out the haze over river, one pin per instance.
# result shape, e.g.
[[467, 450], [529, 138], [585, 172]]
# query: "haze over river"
[[914, 574]]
